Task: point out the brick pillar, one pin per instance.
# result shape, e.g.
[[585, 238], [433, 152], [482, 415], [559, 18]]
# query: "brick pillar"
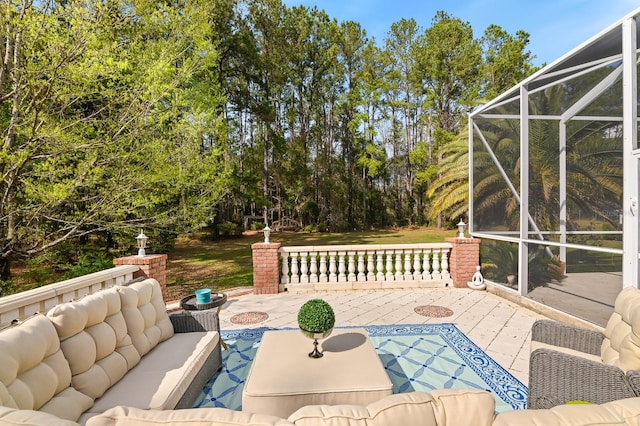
[[151, 266], [465, 256], [266, 268]]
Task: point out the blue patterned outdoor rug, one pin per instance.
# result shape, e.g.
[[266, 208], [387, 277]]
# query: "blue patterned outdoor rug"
[[417, 357]]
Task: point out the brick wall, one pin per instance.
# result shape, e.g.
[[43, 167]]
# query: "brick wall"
[[266, 268], [151, 266], [465, 256]]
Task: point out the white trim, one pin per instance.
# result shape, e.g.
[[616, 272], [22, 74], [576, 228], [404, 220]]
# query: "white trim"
[[523, 249], [630, 196]]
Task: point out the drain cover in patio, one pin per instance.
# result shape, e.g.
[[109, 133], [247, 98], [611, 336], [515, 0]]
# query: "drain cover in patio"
[[433, 311], [246, 318]]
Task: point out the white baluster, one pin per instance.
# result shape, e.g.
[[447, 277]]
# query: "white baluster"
[[370, 275], [380, 265], [398, 275], [304, 267], [361, 275], [332, 267], [342, 267], [408, 276], [426, 275], [445, 264], [389, 275], [285, 268], [417, 275], [323, 267], [313, 267], [352, 266], [435, 266], [295, 278]]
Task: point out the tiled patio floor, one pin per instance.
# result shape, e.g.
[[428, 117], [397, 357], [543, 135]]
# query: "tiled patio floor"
[[499, 327]]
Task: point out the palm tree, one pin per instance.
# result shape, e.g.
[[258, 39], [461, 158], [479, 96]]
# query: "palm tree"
[[593, 164]]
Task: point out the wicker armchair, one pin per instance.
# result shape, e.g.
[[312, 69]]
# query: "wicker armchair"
[[570, 363]]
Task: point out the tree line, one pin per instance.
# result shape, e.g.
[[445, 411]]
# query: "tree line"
[[118, 115]]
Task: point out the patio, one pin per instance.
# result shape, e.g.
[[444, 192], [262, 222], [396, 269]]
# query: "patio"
[[499, 327]]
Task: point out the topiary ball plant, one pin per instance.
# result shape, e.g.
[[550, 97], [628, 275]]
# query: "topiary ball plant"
[[317, 316], [316, 320]]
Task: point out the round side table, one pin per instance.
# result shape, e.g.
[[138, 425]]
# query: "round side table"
[[217, 300]]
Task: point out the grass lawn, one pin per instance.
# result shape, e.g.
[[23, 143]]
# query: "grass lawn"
[[199, 263]]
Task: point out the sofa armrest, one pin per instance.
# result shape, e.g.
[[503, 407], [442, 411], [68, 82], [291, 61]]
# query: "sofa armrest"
[[567, 336], [556, 378], [190, 321]]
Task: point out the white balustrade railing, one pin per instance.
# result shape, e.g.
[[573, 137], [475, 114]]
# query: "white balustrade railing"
[[365, 266], [41, 299]]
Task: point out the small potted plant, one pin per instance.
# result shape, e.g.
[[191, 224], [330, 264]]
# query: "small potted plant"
[[316, 320]]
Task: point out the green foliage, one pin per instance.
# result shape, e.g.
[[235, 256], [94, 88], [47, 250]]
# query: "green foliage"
[[103, 146], [224, 230], [257, 226], [506, 60], [121, 115], [500, 260], [7, 287], [316, 315], [88, 264]]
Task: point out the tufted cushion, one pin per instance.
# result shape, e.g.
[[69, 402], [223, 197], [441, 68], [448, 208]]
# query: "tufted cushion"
[[127, 416], [163, 375], [145, 313], [34, 374], [94, 339], [415, 408], [463, 407], [15, 417], [621, 346], [621, 412], [443, 407]]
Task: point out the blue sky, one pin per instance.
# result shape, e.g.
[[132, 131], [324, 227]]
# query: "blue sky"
[[555, 26]]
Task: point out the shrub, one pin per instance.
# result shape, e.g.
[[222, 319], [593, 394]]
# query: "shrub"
[[316, 315]]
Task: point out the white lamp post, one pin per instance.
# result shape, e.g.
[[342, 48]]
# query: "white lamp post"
[[267, 232], [141, 240], [461, 226]]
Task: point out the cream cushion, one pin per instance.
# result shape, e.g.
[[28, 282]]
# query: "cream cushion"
[[621, 345], [163, 375], [407, 409], [296, 380], [463, 407], [145, 313], [94, 339], [126, 416], [15, 417], [621, 412], [446, 407], [34, 375]]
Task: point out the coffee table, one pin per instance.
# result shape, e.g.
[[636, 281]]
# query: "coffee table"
[[283, 378]]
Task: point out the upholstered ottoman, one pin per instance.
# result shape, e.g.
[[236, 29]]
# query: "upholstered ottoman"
[[283, 378]]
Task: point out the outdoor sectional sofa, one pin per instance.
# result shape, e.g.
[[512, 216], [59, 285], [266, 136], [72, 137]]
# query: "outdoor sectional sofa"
[[438, 408], [115, 347], [117, 358]]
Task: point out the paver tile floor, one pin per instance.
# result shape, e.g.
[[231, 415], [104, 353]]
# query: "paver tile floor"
[[499, 327]]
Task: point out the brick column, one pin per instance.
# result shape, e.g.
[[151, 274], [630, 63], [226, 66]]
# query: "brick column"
[[266, 268], [465, 256], [151, 266]]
